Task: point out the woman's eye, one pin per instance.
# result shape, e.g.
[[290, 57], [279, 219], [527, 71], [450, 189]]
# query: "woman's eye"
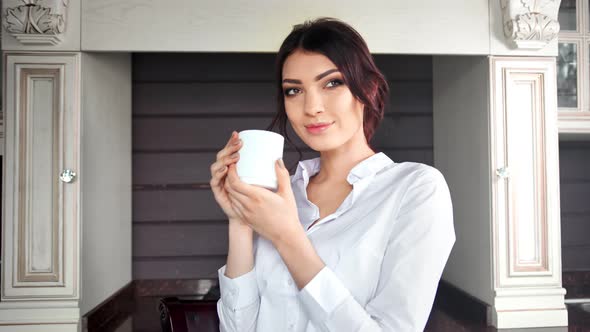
[[291, 91], [334, 83]]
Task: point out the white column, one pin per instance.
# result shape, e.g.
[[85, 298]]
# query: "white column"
[[40, 256], [66, 241], [525, 207], [495, 136]]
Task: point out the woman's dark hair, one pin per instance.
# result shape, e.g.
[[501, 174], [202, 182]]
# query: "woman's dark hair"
[[345, 47]]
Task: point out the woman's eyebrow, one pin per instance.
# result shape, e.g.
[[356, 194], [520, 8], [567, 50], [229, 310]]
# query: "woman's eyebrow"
[[290, 80], [317, 78], [324, 74]]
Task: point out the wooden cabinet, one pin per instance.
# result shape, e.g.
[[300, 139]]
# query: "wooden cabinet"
[[42, 140], [66, 237], [525, 192], [41, 211], [495, 140]]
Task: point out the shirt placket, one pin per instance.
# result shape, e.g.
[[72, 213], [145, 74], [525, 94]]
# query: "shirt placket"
[[357, 187], [292, 313]]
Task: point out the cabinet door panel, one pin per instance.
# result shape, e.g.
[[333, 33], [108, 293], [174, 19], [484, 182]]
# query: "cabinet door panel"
[[524, 162], [41, 213], [38, 188]]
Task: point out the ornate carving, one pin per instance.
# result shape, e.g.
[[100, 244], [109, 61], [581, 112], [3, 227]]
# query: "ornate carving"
[[531, 27], [530, 24], [37, 21]]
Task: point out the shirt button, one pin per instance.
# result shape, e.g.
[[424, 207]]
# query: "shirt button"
[[229, 297], [289, 282]]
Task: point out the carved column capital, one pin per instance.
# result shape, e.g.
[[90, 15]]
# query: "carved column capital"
[[38, 22], [530, 24]]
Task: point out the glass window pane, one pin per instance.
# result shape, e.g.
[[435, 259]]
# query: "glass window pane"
[[567, 15], [567, 75]]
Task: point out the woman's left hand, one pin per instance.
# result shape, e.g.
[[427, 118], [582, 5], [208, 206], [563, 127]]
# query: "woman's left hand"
[[272, 215]]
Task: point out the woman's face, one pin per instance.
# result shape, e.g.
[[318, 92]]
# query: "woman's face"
[[320, 107]]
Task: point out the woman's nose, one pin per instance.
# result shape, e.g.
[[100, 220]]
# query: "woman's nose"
[[313, 103]]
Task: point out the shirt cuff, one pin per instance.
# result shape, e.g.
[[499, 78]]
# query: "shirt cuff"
[[323, 294], [240, 292]]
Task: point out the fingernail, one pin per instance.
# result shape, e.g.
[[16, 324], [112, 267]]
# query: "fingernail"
[[223, 169], [234, 155], [282, 164], [238, 142]]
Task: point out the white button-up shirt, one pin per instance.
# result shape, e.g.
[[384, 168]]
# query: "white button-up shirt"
[[384, 248]]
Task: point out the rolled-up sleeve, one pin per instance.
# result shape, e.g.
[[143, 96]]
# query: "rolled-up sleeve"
[[417, 251], [239, 303]]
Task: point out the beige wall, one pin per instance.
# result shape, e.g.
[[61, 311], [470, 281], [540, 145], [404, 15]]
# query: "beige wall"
[[106, 184]]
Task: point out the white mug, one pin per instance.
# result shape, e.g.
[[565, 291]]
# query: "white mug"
[[259, 152]]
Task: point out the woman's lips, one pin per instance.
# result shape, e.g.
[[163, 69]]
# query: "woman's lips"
[[319, 128]]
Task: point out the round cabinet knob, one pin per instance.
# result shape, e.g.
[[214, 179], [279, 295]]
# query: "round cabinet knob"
[[67, 175], [503, 172]]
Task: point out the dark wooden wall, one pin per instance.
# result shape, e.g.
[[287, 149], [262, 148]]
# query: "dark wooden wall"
[[185, 106], [184, 109], [574, 160]]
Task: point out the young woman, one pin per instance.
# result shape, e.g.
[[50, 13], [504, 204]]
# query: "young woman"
[[352, 241]]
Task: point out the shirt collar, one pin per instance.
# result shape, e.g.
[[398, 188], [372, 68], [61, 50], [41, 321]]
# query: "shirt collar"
[[368, 167], [364, 169]]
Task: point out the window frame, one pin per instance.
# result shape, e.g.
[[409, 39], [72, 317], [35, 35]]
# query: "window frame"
[[580, 37]]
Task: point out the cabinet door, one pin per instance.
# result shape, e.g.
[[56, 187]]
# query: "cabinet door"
[[525, 175], [41, 214]]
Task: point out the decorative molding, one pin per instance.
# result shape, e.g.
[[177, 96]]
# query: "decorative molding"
[[37, 22], [530, 24], [529, 249], [33, 266], [574, 123]]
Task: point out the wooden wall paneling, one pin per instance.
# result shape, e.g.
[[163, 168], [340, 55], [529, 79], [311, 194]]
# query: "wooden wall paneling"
[[575, 232], [203, 67], [164, 205], [575, 196], [204, 99], [226, 99], [171, 238], [189, 134], [574, 160], [184, 109], [255, 67], [575, 258], [193, 167]]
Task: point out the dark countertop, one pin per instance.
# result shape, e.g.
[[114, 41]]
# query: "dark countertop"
[[145, 317], [136, 308]]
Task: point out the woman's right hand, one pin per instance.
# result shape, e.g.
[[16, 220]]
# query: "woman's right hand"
[[227, 156]]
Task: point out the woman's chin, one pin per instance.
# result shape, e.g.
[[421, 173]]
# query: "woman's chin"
[[321, 146]]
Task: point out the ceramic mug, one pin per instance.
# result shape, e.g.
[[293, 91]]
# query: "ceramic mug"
[[259, 152]]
